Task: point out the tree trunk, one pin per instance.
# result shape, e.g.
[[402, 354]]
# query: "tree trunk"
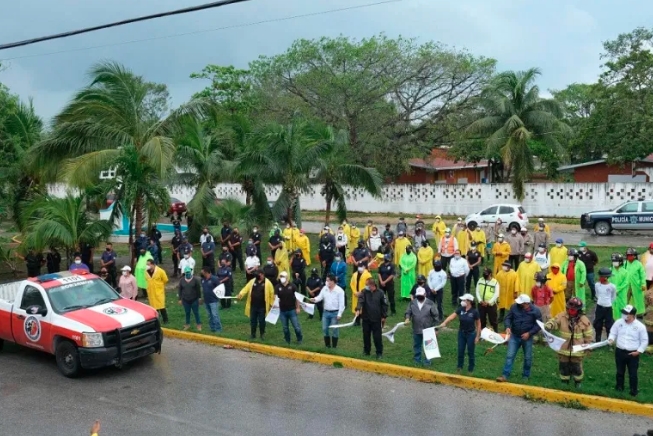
[[138, 221], [327, 214], [248, 187]]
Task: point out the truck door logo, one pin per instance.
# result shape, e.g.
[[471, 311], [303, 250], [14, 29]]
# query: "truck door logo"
[[115, 310], [32, 328], [633, 219]]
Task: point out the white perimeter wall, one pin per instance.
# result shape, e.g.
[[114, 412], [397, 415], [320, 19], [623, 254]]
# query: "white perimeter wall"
[[542, 199]]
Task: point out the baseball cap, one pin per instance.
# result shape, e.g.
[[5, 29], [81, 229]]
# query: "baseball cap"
[[187, 269], [283, 273], [523, 229], [629, 310], [420, 291], [467, 297], [541, 220], [582, 244], [559, 241], [529, 255], [523, 298], [126, 268]]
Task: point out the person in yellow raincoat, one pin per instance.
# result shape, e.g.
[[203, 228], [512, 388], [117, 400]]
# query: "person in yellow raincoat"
[[354, 237], [260, 298], [558, 254], [438, 229], [156, 288], [368, 231], [557, 282], [464, 237], [526, 274], [287, 237], [478, 236], [357, 284], [507, 278], [501, 253], [281, 259], [294, 235], [304, 244], [346, 229], [424, 259], [400, 247]]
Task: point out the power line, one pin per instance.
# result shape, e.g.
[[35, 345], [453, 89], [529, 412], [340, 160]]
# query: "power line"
[[233, 26], [121, 23]]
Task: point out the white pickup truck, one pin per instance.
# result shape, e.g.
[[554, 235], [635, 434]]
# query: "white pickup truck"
[[80, 319]]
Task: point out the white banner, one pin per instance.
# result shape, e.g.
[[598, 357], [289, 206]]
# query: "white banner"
[[555, 343], [339, 326], [273, 316], [391, 334], [220, 291], [493, 337], [430, 344], [308, 308], [586, 347]]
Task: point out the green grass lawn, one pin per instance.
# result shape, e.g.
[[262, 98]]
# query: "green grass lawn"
[[599, 367]]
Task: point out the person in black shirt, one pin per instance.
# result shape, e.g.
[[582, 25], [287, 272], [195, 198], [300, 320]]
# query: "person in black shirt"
[[208, 254], [176, 224], [314, 285], [225, 277], [288, 307], [87, 256], [209, 283], [298, 267], [257, 303], [53, 260], [225, 233], [256, 239], [474, 260], [185, 247], [271, 271], [175, 242], [388, 234], [421, 283], [590, 259], [190, 297], [360, 254], [33, 262], [156, 235], [250, 249], [236, 249], [226, 256], [326, 252], [275, 242], [373, 308], [387, 281], [469, 330]]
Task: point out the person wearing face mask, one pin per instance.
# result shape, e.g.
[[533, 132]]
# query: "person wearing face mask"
[[298, 268], [274, 242], [591, 260], [387, 275], [574, 270], [175, 242], [557, 282], [488, 291], [190, 298], [421, 283], [252, 264], [540, 236], [400, 245], [478, 238], [77, 264], [260, 297], [374, 240], [419, 237], [458, 271], [542, 295], [209, 282], [619, 278], [636, 281], [464, 237], [281, 259], [606, 294], [631, 339], [372, 309], [187, 261], [304, 244], [127, 284], [235, 243], [419, 224], [474, 261], [407, 266], [648, 319], [438, 229], [425, 259], [542, 258], [250, 248], [354, 238], [271, 271], [402, 227], [360, 254], [156, 293], [389, 235], [357, 284], [526, 274], [141, 270], [423, 313], [156, 235], [288, 308], [508, 281], [647, 263], [499, 229], [225, 233], [559, 253], [256, 239], [226, 256], [576, 328], [367, 231], [185, 245], [469, 331], [516, 242], [521, 326], [314, 285], [501, 252], [341, 241], [437, 280], [528, 241], [339, 270], [334, 305], [176, 223], [225, 276], [346, 229], [446, 248], [142, 242], [108, 261], [208, 254]]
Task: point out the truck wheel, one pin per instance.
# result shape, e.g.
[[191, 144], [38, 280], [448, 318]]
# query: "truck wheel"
[[67, 359], [602, 228], [2, 344]]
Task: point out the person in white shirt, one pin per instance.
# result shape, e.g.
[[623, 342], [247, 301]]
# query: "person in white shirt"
[[341, 243], [542, 258], [334, 305], [374, 240], [251, 265], [606, 293], [631, 338], [204, 235], [186, 261], [437, 280], [458, 270]]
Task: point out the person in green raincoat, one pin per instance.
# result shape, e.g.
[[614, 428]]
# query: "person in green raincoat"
[[274, 228], [141, 268], [619, 279], [636, 281], [407, 263], [579, 275]]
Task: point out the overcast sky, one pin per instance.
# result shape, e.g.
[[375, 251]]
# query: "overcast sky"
[[561, 37]]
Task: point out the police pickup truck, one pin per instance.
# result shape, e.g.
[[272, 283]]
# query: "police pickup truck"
[[632, 215], [80, 319]]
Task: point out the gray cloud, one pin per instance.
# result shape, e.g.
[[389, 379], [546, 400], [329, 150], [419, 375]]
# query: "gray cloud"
[[561, 37]]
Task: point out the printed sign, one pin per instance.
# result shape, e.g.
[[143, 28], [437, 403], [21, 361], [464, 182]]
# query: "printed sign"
[[115, 310], [430, 344], [32, 327]]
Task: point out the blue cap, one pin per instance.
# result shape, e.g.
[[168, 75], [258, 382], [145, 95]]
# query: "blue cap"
[[559, 241]]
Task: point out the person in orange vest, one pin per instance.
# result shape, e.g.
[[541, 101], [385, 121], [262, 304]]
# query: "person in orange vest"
[[446, 248]]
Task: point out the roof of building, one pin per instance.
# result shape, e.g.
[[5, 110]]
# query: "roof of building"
[[440, 161], [647, 159]]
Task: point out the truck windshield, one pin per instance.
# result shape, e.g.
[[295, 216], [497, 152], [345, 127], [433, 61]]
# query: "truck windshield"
[[80, 295]]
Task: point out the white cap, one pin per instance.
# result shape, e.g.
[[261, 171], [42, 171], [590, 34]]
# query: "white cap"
[[523, 229], [460, 219], [500, 235], [467, 297], [283, 273], [447, 230], [126, 268], [523, 298], [541, 220], [420, 291]]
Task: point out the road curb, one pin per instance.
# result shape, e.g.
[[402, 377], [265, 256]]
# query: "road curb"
[[531, 392]]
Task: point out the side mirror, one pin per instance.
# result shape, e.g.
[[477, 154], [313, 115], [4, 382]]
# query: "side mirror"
[[37, 310]]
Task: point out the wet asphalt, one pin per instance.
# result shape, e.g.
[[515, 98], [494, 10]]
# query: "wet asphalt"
[[201, 390]]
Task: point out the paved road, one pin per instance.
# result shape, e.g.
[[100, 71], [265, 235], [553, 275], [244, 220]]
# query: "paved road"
[[571, 238], [201, 390]]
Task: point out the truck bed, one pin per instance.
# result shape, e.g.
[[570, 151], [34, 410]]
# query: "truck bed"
[[8, 291]]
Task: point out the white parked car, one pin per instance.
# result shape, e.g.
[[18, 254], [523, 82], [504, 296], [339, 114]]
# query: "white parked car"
[[512, 215]]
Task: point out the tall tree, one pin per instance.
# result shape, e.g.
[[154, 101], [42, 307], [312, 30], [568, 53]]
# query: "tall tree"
[[230, 88], [513, 115]]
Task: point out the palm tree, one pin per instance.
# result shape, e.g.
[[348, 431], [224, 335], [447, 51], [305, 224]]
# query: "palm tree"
[[336, 171], [240, 215], [110, 124], [62, 222], [513, 114]]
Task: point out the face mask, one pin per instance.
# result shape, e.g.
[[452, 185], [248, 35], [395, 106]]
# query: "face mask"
[[541, 250], [282, 280], [630, 258], [572, 312], [624, 317], [446, 235], [250, 242], [500, 239], [338, 259], [255, 230], [463, 304], [108, 249], [583, 249], [269, 262], [558, 245], [457, 256], [408, 251], [505, 268], [615, 264], [340, 232], [361, 269], [188, 275], [223, 265], [150, 267], [205, 232], [420, 298], [78, 261], [539, 284], [473, 248], [186, 256], [603, 280], [437, 268], [124, 273], [571, 258], [142, 235], [527, 260]]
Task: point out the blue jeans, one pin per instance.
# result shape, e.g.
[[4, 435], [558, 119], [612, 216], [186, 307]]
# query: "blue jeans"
[[418, 340], [466, 340], [195, 307], [514, 344], [329, 318], [257, 317], [214, 317], [290, 315], [590, 283]]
